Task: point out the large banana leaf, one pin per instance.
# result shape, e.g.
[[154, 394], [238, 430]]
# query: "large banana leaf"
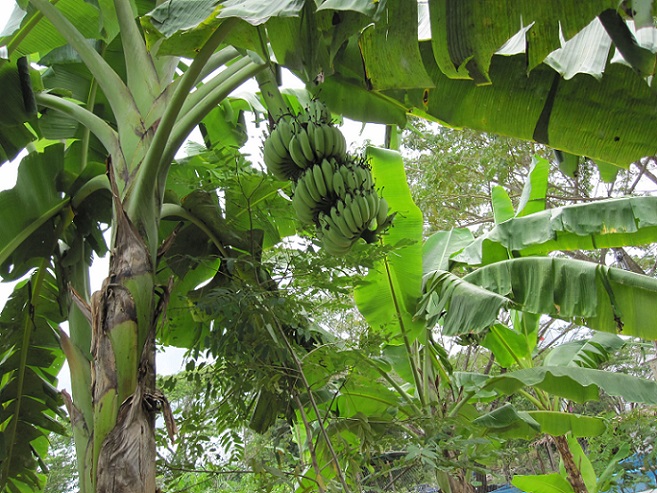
[[440, 246], [463, 49], [542, 483], [14, 135], [629, 221], [389, 293], [30, 359], [391, 62], [542, 107], [509, 422], [43, 37], [574, 383], [27, 212], [602, 298], [582, 115], [589, 353]]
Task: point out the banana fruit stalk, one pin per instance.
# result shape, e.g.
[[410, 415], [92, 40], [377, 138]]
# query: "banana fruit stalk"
[[332, 190]]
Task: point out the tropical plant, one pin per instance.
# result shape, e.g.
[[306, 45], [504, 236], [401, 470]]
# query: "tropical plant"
[[103, 116]]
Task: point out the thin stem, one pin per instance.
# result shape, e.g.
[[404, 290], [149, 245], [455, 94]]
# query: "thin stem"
[[222, 57], [313, 403], [188, 122], [142, 191], [309, 441], [91, 101], [97, 183], [407, 343], [115, 90], [15, 242], [99, 127], [464, 400], [539, 405], [504, 343], [143, 80]]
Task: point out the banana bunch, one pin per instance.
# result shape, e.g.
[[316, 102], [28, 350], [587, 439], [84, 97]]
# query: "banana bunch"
[[276, 151], [341, 200], [362, 215], [332, 190], [295, 144]]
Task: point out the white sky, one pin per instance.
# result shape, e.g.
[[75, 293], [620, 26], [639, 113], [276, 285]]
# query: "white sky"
[[169, 361]]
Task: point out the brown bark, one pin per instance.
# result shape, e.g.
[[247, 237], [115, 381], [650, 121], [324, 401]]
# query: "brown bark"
[[458, 484], [574, 475]]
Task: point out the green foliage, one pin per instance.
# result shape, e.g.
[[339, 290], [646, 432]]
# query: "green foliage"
[[242, 296], [30, 361]]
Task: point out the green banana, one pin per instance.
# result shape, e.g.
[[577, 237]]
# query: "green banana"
[[373, 201], [296, 153], [340, 147], [338, 184], [355, 211], [319, 180], [306, 148], [350, 180], [317, 141], [364, 178], [341, 223], [284, 129], [332, 248], [364, 210], [281, 169], [328, 170], [279, 145], [304, 213], [329, 140], [301, 192], [351, 221], [331, 230], [309, 182], [382, 213]]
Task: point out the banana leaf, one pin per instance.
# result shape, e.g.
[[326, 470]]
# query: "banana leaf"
[[542, 483], [629, 221], [27, 228], [464, 50], [509, 422], [585, 353], [599, 297], [440, 246], [573, 383], [14, 135], [30, 361], [388, 294]]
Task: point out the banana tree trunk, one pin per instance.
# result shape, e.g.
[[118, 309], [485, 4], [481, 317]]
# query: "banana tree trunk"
[[123, 367], [572, 471]]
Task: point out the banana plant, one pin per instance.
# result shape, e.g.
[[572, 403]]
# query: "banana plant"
[[608, 300], [122, 84], [123, 114]]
